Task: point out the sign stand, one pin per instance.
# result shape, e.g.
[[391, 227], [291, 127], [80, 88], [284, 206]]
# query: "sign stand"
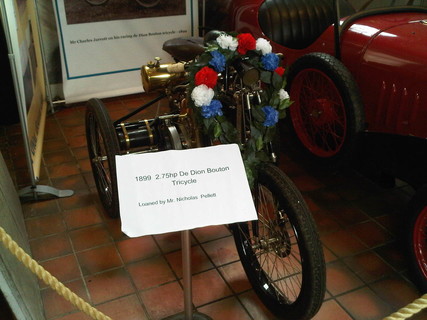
[[188, 313], [187, 189]]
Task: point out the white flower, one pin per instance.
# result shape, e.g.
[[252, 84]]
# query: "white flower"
[[283, 94], [226, 41], [202, 95], [263, 45]]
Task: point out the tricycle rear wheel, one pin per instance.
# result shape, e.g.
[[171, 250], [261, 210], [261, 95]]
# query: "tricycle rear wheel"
[[103, 146]]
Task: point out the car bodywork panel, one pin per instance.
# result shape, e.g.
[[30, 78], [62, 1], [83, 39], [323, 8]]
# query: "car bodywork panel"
[[386, 54]]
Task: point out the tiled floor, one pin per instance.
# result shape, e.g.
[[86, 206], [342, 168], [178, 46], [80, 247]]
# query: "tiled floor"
[[140, 278]]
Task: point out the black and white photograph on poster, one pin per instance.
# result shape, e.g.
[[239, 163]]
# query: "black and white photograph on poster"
[[103, 59], [86, 11]]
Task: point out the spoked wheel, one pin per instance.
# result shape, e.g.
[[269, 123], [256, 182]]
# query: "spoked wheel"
[[102, 147], [148, 3], [417, 238], [281, 252], [96, 2], [327, 114]]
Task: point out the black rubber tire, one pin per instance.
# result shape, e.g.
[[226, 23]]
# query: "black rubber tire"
[[416, 240], [291, 240], [148, 3], [103, 146], [96, 2], [327, 115]]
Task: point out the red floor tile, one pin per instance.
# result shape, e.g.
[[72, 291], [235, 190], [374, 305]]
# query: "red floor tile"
[[40, 208], [63, 268], [342, 243], [109, 285], [77, 141], [229, 308], [85, 165], [58, 157], [125, 308], [340, 279], [222, 251], [137, 248], [210, 233], [346, 214], [82, 197], [78, 315], [199, 261], [55, 305], [80, 152], [208, 287], [255, 306], [50, 247], [82, 217], [99, 259], [89, 237], [163, 301], [235, 276], [169, 242], [396, 291], [72, 131], [44, 226], [370, 233], [363, 304], [306, 183], [368, 266], [331, 310], [150, 273]]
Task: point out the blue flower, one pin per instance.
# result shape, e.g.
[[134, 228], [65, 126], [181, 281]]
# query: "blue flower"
[[217, 61], [212, 110], [270, 61], [271, 116]]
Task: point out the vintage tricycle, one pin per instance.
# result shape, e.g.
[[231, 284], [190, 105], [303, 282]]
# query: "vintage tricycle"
[[280, 252]]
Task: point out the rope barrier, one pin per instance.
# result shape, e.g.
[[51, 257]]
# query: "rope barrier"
[[411, 309], [403, 313], [49, 279]]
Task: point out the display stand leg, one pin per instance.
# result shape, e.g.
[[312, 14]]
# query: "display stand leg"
[[188, 313], [41, 192]]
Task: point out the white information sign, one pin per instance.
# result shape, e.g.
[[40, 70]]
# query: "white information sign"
[[182, 189]]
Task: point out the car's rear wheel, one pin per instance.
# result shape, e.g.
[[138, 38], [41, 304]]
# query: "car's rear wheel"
[[327, 114], [417, 238]]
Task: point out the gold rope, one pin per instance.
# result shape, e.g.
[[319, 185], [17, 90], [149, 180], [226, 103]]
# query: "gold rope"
[[411, 309], [49, 279]]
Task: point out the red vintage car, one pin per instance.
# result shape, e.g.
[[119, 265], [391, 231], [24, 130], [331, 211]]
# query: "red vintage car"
[[357, 73]]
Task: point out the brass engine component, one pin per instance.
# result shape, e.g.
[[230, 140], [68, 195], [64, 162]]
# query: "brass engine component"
[[157, 76]]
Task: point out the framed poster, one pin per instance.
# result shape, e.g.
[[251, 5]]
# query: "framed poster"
[[104, 43]]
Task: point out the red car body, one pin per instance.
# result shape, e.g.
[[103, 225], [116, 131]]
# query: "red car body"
[[386, 53], [383, 52]]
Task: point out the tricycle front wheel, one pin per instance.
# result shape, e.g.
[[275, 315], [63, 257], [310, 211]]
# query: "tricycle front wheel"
[[281, 252]]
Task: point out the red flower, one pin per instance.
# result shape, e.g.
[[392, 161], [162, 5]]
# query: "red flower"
[[246, 42], [206, 76], [280, 71]]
